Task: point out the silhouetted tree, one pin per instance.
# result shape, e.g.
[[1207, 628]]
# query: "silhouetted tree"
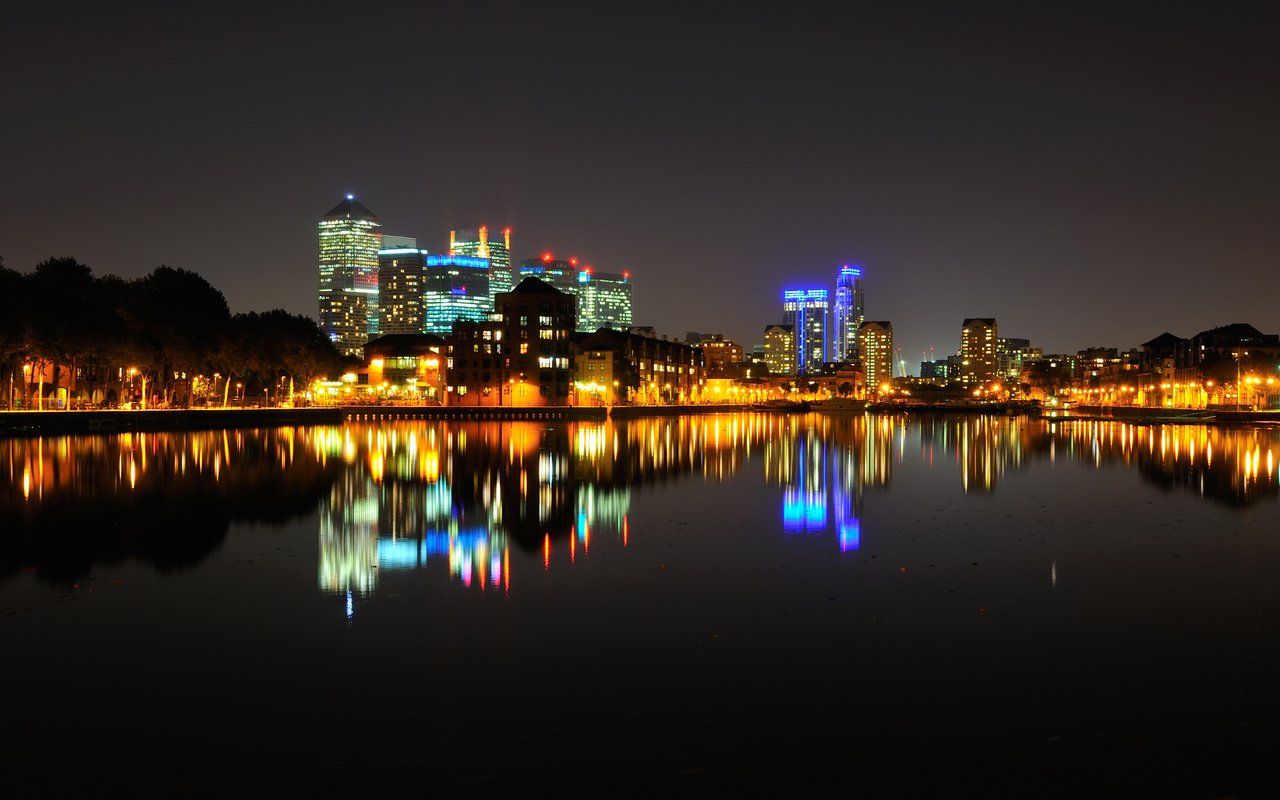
[[177, 322]]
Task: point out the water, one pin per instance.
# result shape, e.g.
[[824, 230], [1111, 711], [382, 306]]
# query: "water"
[[938, 605]]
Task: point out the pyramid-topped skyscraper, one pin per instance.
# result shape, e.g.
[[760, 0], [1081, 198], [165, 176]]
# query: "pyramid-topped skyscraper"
[[350, 237]]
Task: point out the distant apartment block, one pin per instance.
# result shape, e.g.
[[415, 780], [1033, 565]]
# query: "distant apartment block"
[[978, 337], [780, 349], [875, 343]]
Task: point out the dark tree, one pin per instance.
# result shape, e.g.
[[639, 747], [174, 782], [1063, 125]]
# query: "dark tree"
[[13, 328], [177, 322]]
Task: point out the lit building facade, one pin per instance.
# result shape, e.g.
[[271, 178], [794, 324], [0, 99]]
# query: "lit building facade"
[[401, 285], [522, 355], [538, 323], [604, 300], [456, 289], [808, 311], [1012, 354], [780, 349], [555, 272], [479, 243], [875, 345], [476, 359], [634, 368], [407, 365], [723, 356], [849, 313], [978, 341], [350, 237]]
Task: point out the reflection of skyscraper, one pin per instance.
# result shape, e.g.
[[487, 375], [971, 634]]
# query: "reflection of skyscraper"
[[350, 237], [806, 310], [822, 487], [477, 242], [849, 311]]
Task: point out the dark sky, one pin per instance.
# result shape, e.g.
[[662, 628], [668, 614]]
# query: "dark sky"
[[1088, 174]]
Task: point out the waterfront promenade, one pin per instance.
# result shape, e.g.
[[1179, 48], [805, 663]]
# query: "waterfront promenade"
[[37, 423]]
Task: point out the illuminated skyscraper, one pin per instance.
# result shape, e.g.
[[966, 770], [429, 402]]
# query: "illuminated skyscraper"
[[875, 344], [477, 242], [401, 284], [978, 339], [604, 300], [559, 273], [849, 312], [808, 311], [350, 237], [455, 288], [780, 349]]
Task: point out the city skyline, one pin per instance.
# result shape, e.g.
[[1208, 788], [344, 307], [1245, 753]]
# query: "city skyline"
[[1079, 175]]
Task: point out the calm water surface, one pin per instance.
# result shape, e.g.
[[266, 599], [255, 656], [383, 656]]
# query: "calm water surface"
[[948, 605]]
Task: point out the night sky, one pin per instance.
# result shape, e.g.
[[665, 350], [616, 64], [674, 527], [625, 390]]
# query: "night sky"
[[1090, 175]]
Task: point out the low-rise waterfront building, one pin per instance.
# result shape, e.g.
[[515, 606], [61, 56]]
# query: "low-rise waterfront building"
[[407, 365], [641, 369]]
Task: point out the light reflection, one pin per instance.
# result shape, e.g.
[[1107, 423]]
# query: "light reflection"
[[456, 498]]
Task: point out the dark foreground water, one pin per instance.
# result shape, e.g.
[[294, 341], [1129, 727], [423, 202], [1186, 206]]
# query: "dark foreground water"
[[898, 606]]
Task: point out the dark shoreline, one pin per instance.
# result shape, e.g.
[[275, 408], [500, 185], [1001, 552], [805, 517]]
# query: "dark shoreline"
[[42, 423]]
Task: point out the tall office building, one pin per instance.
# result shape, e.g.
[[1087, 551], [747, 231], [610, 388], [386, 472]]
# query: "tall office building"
[[1011, 355], [561, 274], [807, 310], [978, 337], [849, 311], [401, 283], [455, 288], [604, 300], [350, 237], [875, 344], [780, 349], [477, 242]]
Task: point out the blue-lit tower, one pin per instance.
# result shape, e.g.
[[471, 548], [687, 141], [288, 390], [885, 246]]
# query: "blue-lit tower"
[[807, 311], [849, 313], [456, 288]]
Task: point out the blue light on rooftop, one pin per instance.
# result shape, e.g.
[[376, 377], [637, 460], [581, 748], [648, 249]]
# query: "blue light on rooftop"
[[458, 261], [804, 294]]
